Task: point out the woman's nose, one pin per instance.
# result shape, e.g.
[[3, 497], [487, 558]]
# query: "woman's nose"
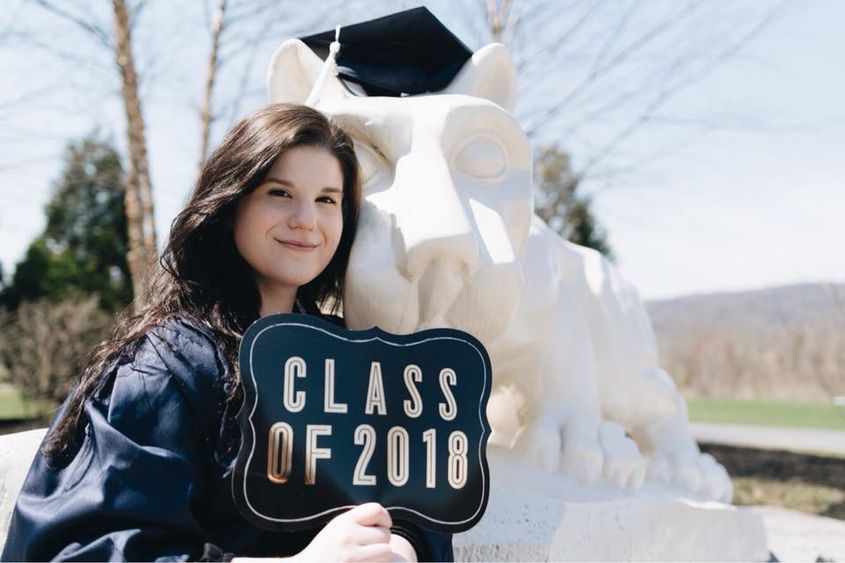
[[303, 216]]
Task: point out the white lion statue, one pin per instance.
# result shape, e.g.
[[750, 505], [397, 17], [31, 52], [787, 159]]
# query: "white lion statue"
[[448, 238]]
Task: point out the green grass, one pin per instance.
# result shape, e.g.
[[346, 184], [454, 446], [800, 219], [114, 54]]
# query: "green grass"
[[767, 413], [13, 406], [794, 494]]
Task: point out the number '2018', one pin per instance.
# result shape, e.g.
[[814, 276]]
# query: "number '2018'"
[[280, 455]]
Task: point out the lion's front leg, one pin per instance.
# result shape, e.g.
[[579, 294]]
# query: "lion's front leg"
[[546, 403], [675, 459]]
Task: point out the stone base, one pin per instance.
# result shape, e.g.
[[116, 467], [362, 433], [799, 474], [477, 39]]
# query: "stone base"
[[538, 516], [16, 454]]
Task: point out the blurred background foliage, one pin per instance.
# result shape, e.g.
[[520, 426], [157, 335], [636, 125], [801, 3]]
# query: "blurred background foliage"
[[82, 250], [63, 295]]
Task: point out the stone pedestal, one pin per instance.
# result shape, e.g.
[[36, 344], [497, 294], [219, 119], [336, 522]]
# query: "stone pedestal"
[[538, 516], [16, 454]]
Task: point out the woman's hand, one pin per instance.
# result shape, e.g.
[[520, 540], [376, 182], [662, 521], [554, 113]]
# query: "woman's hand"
[[361, 534], [402, 550]]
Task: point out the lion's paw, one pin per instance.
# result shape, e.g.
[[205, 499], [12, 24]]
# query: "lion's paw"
[[659, 470], [716, 483], [623, 464], [697, 473], [586, 451], [541, 442], [582, 455]]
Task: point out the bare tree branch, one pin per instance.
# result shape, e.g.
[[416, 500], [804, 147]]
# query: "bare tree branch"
[[597, 72], [135, 13], [251, 50], [557, 42], [83, 23], [497, 18], [217, 23], [250, 11], [675, 88], [612, 38], [64, 52]]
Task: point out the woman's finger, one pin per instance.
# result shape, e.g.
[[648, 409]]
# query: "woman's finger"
[[372, 552], [371, 514], [367, 535]]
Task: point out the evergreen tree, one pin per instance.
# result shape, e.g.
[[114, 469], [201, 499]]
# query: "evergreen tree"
[[4, 286], [560, 205], [82, 250]]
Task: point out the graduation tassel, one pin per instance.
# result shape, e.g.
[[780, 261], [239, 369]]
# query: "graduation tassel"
[[329, 66]]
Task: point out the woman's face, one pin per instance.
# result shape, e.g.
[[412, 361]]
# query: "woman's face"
[[289, 227]]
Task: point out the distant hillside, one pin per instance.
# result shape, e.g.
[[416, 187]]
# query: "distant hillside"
[[779, 343]]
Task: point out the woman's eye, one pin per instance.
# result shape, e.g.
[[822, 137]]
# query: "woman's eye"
[[278, 192], [326, 199]]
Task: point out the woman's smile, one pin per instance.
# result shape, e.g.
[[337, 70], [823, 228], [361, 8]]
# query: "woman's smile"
[[302, 246]]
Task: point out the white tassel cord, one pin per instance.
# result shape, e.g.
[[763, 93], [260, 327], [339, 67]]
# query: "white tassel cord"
[[329, 66]]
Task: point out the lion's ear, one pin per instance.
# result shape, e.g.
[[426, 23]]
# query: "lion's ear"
[[489, 74], [293, 71]]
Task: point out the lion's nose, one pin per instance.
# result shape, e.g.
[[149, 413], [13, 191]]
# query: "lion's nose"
[[455, 249], [434, 227]]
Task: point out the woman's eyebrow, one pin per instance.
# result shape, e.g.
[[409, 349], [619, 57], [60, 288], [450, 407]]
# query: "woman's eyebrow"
[[327, 189], [278, 181]]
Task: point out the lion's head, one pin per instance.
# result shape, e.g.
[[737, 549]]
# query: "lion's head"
[[447, 185]]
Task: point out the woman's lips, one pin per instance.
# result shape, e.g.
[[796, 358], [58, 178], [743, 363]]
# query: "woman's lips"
[[297, 245]]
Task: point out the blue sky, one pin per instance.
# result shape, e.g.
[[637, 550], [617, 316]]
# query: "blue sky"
[[751, 197], [757, 205]]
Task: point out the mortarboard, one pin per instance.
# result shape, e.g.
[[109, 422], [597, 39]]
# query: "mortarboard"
[[405, 53]]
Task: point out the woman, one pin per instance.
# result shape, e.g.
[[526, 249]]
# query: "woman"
[[137, 464]]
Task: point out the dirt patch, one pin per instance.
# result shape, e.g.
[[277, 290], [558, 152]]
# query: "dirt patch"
[[805, 482]]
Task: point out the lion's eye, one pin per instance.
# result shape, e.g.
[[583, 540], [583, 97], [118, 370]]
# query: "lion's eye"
[[372, 164], [481, 157]]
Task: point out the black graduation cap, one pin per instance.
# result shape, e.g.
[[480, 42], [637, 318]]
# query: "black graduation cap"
[[408, 52]]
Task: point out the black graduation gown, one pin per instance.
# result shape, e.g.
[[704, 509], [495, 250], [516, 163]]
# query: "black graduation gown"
[[152, 477]]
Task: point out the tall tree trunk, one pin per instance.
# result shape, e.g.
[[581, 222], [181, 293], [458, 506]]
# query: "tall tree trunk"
[[206, 116], [140, 223]]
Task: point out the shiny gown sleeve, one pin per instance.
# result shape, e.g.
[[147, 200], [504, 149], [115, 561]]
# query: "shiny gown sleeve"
[[132, 489]]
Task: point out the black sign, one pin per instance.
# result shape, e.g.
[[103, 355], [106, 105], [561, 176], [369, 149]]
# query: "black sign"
[[333, 418]]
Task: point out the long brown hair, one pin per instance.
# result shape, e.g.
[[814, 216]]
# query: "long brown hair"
[[201, 275]]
